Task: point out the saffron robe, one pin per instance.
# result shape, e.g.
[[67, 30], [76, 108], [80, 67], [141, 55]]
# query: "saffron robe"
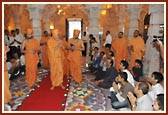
[[45, 60], [31, 61], [138, 50], [75, 58], [55, 61], [120, 48]]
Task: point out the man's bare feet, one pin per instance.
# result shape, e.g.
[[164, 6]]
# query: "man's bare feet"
[[62, 86], [52, 88]]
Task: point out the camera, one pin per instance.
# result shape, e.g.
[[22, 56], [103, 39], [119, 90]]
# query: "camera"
[[157, 37]]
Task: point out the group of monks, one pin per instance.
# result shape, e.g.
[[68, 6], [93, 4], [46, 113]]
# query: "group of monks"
[[62, 57], [129, 50]]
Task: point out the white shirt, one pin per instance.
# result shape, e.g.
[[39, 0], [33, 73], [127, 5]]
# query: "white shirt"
[[144, 103], [9, 65], [130, 78], [18, 38], [108, 39], [22, 60], [85, 39], [7, 40], [156, 89]]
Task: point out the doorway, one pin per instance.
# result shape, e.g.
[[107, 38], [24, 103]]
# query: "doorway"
[[71, 24]]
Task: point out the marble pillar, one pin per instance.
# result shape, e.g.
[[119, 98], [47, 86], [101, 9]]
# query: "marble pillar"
[[134, 11], [93, 20], [35, 15]]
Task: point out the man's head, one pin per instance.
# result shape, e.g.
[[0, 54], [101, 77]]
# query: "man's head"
[[109, 62], [107, 32], [76, 33], [122, 77], [6, 32], [155, 78], [159, 103], [55, 33], [120, 34], [96, 49], [17, 31], [141, 88], [138, 63], [29, 33], [45, 33], [123, 65], [84, 33], [107, 48], [13, 32], [136, 33]]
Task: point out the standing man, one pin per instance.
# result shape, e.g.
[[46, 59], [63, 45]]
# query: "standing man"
[[43, 44], [120, 49], [55, 46], [108, 39], [75, 46], [136, 48], [31, 47], [85, 42]]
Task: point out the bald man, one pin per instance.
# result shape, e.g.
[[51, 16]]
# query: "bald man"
[[75, 47], [31, 47], [55, 56], [136, 48]]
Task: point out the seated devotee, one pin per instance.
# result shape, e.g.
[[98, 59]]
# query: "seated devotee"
[[156, 87], [142, 101], [137, 70], [119, 95], [158, 104], [123, 68], [95, 65], [109, 76], [13, 68]]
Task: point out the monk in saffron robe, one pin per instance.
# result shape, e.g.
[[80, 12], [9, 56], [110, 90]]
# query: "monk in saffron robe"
[[120, 49], [43, 43], [31, 47], [7, 93], [75, 47], [136, 48], [55, 46]]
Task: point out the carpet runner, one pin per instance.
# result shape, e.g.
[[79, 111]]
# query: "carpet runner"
[[44, 99]]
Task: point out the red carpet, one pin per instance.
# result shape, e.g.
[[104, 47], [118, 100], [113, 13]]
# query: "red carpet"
[[44, 99]]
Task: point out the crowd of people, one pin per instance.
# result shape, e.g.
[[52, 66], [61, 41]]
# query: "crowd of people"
[[117, 65]]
